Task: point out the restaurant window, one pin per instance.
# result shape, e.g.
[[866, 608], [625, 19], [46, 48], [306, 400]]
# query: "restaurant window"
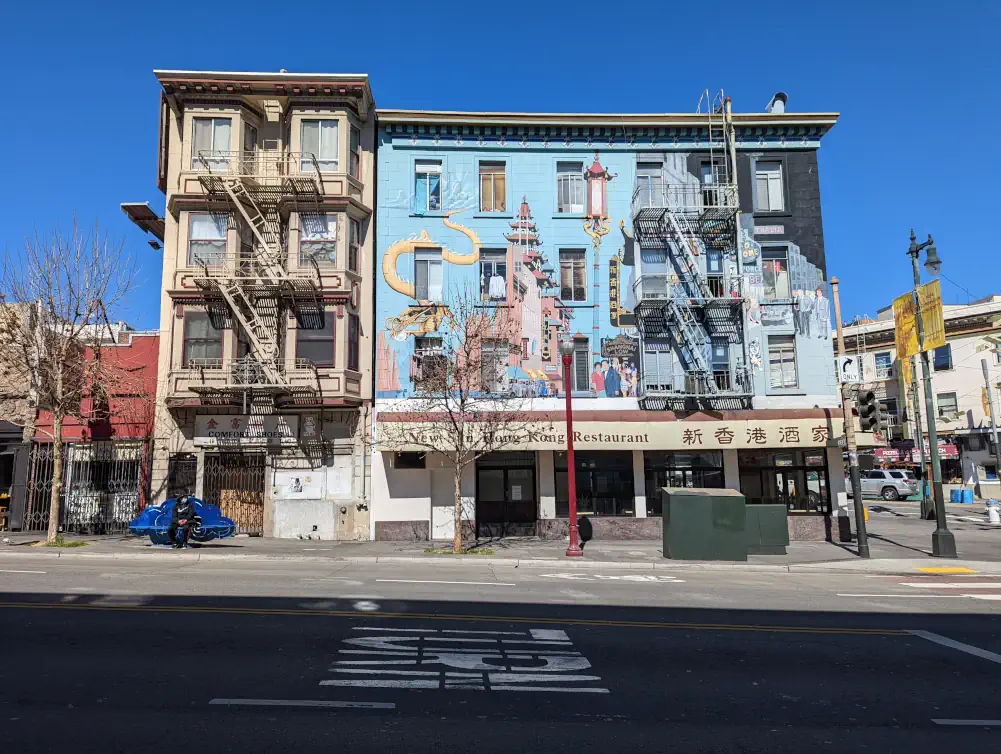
[[493, 275], [493, 187], [775, 272], [410, 460], [202, 341], [573, 275], [665, 469], [604, 483], [794, 478]]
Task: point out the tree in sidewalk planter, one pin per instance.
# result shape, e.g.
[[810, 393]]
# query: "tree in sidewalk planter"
[[56, 295], [463, 405]]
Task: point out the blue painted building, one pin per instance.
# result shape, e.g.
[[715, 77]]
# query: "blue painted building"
[[681, 255]]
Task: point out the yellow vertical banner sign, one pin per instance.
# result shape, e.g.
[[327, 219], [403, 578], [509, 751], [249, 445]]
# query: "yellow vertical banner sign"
[[932, 319], [905, 325]]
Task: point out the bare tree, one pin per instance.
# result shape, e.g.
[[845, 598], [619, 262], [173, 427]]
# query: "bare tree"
[[464, 405], [55, 299]]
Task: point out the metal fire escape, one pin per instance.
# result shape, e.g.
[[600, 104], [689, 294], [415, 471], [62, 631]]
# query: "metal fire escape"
[[257, 286], [693, 221]]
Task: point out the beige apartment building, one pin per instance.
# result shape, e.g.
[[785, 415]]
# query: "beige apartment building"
[[265, 382]]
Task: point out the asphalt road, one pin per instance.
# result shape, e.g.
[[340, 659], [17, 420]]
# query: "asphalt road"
[[124, 656]]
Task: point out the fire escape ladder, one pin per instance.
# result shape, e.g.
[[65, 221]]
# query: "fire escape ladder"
[[266, 230], [687, 246], [262, 339], [691, 337]]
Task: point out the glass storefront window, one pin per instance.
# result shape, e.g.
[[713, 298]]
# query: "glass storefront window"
[[604, 484], [663, 469], [798, 479]]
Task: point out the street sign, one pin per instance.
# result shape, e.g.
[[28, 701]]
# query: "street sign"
[[848, 369]]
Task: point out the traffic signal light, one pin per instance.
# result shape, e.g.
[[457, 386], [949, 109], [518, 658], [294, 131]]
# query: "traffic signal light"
[[870, 412]]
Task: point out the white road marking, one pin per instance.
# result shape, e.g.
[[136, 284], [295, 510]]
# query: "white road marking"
[[400, 630], [469, 583], [954, 585], [637, 577], [992, 597], [11, 571], [557, 689], [972, 723], [384, 683], [302, 703], [912, 596], [953, 644]]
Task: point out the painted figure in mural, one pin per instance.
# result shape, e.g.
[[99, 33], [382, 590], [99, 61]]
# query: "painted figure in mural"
[[612, 380], [805, 312], [822, 311], [598, 378]]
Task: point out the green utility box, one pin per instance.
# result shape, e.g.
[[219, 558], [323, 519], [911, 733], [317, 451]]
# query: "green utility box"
[[767, 530], [704, 524]]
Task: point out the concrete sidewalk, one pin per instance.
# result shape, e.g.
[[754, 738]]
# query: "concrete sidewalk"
[[887, 556]]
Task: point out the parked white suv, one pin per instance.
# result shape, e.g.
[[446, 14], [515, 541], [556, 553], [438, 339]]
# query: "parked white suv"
[[889, 484]]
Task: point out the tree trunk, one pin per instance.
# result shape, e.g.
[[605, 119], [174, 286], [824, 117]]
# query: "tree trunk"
[[457, 538], [57, 477]]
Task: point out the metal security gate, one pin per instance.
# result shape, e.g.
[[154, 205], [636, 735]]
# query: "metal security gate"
[[235, 482], [182, 474], [103, 486]]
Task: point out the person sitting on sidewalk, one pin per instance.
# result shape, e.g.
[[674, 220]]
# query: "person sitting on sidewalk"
[[182, 518]]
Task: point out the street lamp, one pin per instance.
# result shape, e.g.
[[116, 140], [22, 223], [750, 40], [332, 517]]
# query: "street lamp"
[[573, 550], [943, 543]]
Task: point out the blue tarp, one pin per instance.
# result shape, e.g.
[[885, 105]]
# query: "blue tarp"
[[155, 520]]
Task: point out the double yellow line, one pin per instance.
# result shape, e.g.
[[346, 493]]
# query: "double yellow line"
[[355, 614]]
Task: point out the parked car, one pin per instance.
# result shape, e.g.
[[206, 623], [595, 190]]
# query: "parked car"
[[889, 484]]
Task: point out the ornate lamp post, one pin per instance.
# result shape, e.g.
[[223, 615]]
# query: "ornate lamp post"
[[943, 542], [573, 550]]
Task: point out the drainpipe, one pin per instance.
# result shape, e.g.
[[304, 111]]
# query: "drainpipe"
[[731, 142]]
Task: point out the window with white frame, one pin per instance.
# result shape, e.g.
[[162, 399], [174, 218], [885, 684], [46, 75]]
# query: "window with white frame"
[[493, 187], [768, 193], [494, 355], [428, 275], [427, 185], [317, 239], [202, 343], [658, 368], [884, 365], [319, 141], [207, 239], [493, 275], [354, 153], [570, 187], [429, 369], [782, 361], [210, 143], [775, 272], [947, 404], [573, 275], [354, 243], [650, 184]]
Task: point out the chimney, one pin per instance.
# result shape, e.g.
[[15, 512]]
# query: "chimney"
[[777, 104]]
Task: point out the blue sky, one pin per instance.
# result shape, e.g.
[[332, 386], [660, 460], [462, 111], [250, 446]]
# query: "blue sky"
[[916, 84]]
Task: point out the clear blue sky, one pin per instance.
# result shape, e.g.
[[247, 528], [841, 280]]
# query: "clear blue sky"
[[916, 83]]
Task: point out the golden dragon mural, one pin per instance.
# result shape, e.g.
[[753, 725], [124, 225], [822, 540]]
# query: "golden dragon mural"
[[425, 317]]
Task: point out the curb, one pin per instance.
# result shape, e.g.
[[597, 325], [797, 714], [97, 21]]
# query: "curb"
[[888, 567]]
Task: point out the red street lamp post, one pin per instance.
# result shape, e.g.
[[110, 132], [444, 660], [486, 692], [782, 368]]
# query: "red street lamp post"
[[573, 550]]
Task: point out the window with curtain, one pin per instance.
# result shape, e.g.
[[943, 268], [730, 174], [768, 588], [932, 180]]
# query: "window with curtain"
[[354, 243], [947, 404], [782, 361], [319, 140], [210, 143], [202, 341], [354, 338], [768, 195], [317, 239], [354, 153], [493, 187], [494, 356], [493, 275], [428, 275], [314, 339], [573, 275], [658, 369], [207, 239], [649, 184], [775, 272], [943, 358], [570, 187], [427, 185]]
